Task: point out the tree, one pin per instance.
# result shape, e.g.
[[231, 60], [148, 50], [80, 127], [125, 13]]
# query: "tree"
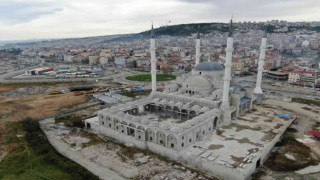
[[135, 64], [167, 69]]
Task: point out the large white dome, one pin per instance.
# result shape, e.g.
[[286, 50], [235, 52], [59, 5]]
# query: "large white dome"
[[209, 66], [199, 82]]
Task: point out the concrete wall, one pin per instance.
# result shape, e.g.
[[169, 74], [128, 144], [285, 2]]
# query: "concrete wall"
[[125, 139], [211, 168]]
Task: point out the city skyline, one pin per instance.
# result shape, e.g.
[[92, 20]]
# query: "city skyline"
[[46, 19]]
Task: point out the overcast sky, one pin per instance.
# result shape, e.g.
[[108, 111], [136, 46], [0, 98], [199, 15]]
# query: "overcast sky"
[[37, 19]]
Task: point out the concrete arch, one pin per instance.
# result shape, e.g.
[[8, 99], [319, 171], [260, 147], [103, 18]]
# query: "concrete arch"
[[141, 128], [151, 136], [215, 122], [140, 133], [172, 141], [168, 108], [146, 107], [161, 108], [197, 134], [190, 137], [161, 138], [135, 111], [192, 114], [123, 127], [116, 123], [131, 129], [124, 123], [184, 114], [209, 126], [176, 112], [132, 125], [153, 107]]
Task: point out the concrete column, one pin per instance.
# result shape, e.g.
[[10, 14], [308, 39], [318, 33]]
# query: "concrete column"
[[153, 65], [198, 52], [227, 73], [263, 46]]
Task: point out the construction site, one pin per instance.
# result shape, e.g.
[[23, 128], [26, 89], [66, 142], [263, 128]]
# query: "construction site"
[[295, 156]]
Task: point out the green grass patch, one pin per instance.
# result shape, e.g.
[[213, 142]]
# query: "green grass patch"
[[306, 101], [33, 157], [135, 94], [70, 121], [23, 84], [147, 77], [303, 158]]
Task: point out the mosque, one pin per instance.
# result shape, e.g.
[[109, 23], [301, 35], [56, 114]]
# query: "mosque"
[[189, 109]]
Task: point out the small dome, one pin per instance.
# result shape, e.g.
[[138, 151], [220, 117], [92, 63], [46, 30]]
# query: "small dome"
[[121, 114], [171, 103], [136, 119], [204, 109], [186, 106], [173, 87], [176, 129], [209, 66], [194, 122], [127, 116], [196, 108], [154, 123], [163, 101], [156, 100], [179, 104], [153, 118], [185, 125], [145, 121], [165, 126], [106, 110], [129, 103], [113, 111]]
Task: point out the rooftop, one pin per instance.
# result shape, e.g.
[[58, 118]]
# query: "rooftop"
[[209, 66], [239, 145]]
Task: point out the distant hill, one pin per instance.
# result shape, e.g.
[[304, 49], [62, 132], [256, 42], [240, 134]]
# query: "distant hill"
[[188, 29], [175, 30]]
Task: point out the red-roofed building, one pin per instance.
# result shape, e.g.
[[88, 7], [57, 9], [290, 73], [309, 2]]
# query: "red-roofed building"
[[300, 76], [315, 133]]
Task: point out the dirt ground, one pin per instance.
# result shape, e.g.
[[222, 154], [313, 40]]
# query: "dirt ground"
[[289, 151], [37, 106], [7, 88]]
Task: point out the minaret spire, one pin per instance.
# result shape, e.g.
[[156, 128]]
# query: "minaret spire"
[[231, 28], [225, 106], [265, 32], [198, 33], [257, 89], [198, 44], [153, 61], [152, 31]]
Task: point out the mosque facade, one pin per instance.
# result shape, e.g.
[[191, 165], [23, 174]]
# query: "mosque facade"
[[188, 110]]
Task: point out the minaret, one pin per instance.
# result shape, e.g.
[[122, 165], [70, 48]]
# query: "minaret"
[[257, 89], [153, 61], [198, 52], [227, 70]]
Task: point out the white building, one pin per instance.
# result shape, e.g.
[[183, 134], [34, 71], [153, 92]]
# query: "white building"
[[189, 110]]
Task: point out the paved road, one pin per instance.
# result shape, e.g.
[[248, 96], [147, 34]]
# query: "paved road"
[[7, 78], [293, 92]]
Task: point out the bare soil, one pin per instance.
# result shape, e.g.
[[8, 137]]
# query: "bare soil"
[[38, 106]]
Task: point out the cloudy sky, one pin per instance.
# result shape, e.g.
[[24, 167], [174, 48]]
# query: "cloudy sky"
[[37, 19]]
